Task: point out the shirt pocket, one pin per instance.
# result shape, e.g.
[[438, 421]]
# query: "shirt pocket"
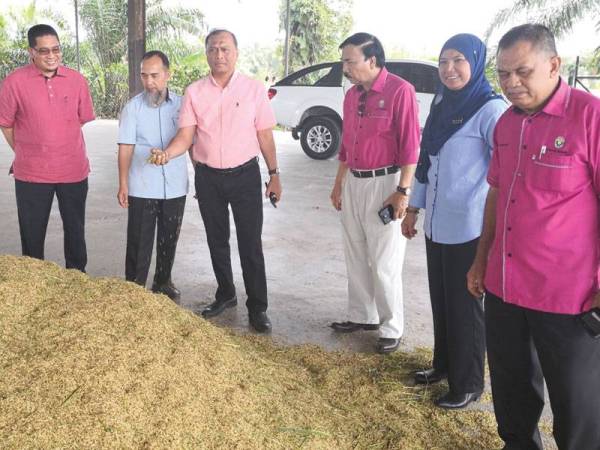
[[552, 172], [380, 121]]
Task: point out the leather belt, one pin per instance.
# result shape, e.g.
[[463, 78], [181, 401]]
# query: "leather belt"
[[229, 171], [374, 173]]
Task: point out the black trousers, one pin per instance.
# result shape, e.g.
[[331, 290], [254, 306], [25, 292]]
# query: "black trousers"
[[34, 203], [241, 188], [144, 216], [524, 348], [458, 324]]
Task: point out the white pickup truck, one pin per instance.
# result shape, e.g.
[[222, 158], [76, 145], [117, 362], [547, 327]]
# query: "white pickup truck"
[[310, 101]]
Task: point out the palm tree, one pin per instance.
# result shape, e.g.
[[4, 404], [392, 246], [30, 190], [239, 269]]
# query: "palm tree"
[[559, 16], [105, 22]]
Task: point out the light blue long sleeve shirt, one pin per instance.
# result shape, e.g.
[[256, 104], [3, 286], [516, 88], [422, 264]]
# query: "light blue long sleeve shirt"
[[146, 127], [454, 197]]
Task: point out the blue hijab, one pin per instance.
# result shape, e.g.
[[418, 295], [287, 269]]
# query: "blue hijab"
[[456, 107]]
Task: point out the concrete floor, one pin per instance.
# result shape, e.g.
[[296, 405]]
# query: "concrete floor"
[[306, 272]]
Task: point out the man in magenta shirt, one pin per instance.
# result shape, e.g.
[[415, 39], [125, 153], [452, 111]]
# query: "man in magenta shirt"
[[539, 254], [380, 143], [230, 116], [42, 108]]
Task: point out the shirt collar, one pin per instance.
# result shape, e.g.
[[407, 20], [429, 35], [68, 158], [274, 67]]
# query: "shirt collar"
[[34, 71], [232, 80], [378, 84], [558, 102], [557, 105]]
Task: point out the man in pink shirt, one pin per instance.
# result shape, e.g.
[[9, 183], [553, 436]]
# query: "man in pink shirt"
[[230, 116], [539, 254], [42, 108], [380, 143]]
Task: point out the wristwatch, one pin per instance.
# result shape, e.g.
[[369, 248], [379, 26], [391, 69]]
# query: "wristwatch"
[[274, 171], [404, 190]]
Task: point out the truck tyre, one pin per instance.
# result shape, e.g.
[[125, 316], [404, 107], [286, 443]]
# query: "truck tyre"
[[320, 138]]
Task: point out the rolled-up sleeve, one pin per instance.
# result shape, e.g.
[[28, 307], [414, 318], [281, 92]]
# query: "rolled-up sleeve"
[[418, 197], [8, 104], [408, 131]]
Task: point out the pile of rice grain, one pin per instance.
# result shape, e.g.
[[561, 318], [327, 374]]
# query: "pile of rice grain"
[[101, 363]]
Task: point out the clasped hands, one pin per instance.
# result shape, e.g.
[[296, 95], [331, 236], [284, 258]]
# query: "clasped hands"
[[158, 157]]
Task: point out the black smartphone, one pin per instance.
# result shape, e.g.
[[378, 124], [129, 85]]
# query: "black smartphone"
[[591, 322], [386, 214]]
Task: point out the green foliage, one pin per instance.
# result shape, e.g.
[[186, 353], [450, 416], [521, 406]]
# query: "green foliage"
[[187, 70], [105, 22], [317, 27], [261, 61], [558, 15]]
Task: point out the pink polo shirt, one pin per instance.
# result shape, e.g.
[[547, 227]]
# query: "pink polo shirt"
[[545, 255], [226, 119], [46, 115], [387, 133]]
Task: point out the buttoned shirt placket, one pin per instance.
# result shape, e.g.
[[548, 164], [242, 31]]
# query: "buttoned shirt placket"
[[435, 189], [510, 200]]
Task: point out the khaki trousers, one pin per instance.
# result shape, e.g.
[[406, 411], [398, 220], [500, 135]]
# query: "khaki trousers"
[[374, 254]]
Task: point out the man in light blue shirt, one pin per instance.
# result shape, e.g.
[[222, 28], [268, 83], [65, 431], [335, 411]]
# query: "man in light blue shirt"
[[154, 195]]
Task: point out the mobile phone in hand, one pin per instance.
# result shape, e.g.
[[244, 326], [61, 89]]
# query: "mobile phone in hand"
[[386, 214]]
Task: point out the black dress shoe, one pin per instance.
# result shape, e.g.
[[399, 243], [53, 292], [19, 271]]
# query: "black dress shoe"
[[218, 306], [260, 321], [429, 376], [387, 345], [167, 289], [457, 401], [349, 327]]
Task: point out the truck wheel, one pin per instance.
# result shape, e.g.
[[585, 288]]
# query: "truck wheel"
[[320, 138]]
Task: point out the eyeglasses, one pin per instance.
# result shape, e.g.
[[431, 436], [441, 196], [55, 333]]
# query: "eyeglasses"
[[46, 51], [362, 104]]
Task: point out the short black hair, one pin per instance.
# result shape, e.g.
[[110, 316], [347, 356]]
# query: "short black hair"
[[219, 31], [161, 55], [538, 35], [370, 46], [40, 30]]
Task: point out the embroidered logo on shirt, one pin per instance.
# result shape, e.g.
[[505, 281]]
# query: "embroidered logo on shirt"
[[381, 104], [559, 142]]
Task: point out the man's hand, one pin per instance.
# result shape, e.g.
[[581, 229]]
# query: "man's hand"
[[400, 202], [336, 196], [158, 157], [408, 225], [475, 277], [122, 196], [274, 186]]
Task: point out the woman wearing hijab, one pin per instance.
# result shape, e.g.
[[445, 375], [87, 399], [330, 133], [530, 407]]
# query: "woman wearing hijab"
[[451, 185]]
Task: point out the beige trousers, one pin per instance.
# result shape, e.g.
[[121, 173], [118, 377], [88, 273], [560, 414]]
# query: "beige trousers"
[[374, 254]]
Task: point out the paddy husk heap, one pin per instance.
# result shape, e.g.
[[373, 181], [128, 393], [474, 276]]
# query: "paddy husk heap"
[[101, 363]]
